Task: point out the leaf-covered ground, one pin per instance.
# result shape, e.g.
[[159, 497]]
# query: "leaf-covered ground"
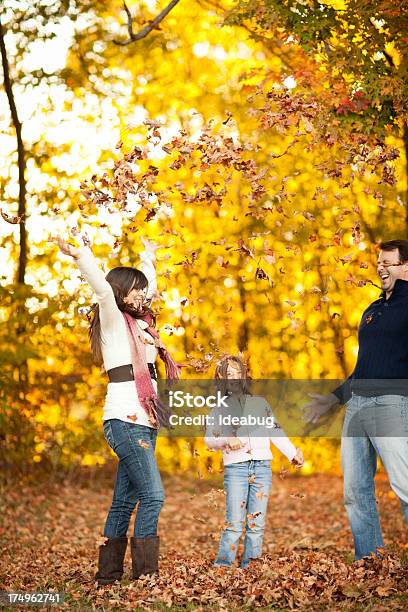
[[51, 531]]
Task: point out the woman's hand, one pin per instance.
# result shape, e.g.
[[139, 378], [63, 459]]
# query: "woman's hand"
[[65, 247], [149, 246], [298, 460], [234, 444]]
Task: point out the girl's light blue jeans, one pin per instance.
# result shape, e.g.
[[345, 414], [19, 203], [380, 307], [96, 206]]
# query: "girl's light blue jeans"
[[137, 479], [373, 426], [247, 485]]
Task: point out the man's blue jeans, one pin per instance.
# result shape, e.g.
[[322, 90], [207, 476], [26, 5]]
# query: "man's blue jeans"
[[137, 479], [247, 485], [373, 426]]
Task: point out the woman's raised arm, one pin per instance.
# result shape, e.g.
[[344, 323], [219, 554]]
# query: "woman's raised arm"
[[148, 265], [90, 270]]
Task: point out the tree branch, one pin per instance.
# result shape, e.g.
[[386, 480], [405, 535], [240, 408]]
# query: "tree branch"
[[21, 160], [148, 28], [266, 41]]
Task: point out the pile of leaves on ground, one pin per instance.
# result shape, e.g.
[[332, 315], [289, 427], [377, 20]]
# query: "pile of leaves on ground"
[[51, 532]]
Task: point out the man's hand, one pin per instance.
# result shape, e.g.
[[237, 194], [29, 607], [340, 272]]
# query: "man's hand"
[[298, 460], [312, 411], [65, 247], [234, 444]]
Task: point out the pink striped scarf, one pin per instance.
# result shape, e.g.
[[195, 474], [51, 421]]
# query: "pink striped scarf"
[[157, 412]]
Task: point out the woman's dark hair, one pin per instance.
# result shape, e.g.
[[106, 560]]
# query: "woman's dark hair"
[[401, 245], [122, 280], [221, 373]]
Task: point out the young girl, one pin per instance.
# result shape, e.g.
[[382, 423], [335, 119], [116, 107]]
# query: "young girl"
[[124, 339], [247, 457]]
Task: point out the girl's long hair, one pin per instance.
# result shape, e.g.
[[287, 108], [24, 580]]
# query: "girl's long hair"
[[122, 280], [221, 373]]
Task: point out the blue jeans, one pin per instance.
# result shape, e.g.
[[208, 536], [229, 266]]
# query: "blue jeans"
[[247, 485], [373, 426], [137, 479]]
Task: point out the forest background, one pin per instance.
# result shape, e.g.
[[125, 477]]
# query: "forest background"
[[262, 144]]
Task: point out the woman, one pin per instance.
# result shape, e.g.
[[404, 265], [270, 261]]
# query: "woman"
[[247, 461], [124, 339]]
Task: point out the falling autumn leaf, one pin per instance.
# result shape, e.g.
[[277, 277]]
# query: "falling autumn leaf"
[[13, 220]]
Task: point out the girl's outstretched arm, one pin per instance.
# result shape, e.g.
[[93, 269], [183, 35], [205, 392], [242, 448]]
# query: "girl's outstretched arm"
[[279, 438], [282, 442]]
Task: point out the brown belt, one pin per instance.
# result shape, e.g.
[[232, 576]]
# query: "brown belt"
[[125, 373]]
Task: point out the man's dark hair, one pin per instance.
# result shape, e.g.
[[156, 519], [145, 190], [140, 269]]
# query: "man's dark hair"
[[401, 245]]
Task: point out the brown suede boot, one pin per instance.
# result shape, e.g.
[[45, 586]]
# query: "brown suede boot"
[[110, 564], [145, 555]]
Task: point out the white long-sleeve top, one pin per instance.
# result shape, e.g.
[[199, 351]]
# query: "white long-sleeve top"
[[121, 399], [256, 438]]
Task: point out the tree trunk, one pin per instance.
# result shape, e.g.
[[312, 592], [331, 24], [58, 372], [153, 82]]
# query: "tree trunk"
[[243, 334], [22, 262]]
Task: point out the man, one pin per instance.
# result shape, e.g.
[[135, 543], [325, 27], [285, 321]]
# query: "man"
[[376, 420]]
